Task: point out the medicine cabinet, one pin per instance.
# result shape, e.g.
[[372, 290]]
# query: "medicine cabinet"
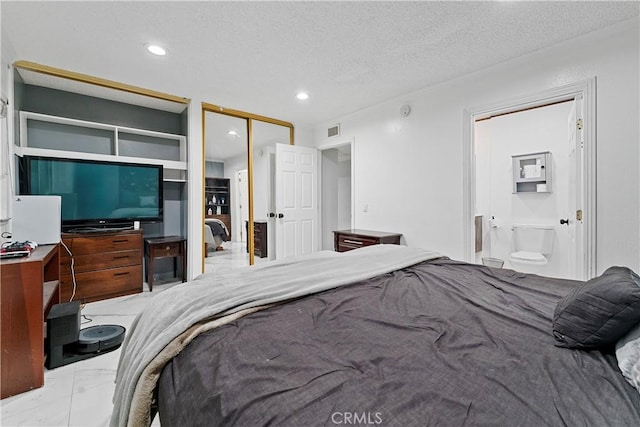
[[532, 173]]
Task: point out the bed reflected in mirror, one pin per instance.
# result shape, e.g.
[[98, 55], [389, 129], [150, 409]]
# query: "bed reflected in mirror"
[[225, 192]]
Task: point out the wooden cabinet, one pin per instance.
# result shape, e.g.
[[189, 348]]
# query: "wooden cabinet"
[[259, 238], [346, 240], [166, 247], [217, 203], [106, 265], [29, 287]]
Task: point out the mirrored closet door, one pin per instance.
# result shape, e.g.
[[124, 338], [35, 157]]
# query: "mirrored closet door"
[[238, 199]]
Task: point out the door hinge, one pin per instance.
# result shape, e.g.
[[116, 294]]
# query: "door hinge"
[[579, 215], [579, 124]]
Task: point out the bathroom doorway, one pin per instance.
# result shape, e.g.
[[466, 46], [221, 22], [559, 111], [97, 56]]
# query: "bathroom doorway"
[[497, 139], [560, 122]]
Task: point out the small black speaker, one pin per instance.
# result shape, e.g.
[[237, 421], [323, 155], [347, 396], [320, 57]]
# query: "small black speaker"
[[63, 328]]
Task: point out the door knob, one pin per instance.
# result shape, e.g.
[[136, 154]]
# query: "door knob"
[[271, 215], [280, 215], [564, 221]]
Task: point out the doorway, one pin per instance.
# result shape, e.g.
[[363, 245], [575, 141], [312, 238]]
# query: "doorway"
[[503, 204], [576, 179], [243, 201], [336, 189]]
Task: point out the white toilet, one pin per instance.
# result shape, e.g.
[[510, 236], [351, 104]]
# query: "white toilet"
[[531, 244]]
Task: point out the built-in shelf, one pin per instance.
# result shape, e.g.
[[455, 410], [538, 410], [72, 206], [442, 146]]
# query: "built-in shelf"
[[53, 136], [532, 173]]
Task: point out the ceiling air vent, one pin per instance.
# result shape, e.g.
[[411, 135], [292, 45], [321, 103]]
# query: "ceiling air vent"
[[333, 131]]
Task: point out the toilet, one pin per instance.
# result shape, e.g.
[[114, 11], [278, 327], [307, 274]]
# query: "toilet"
[[531, 244]]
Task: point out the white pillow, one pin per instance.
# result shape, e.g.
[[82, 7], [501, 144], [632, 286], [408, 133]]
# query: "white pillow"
[[628, 355]]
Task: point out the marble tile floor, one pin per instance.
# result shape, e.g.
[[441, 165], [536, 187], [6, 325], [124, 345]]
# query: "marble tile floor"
[[234, 255], [79, 394]]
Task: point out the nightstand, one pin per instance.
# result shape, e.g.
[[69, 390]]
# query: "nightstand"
[[165, 247], [346, 240]]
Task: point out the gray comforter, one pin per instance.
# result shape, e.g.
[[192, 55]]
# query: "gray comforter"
[[178, 315], [441, 343]]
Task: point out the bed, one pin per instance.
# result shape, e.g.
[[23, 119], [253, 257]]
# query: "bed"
[[384, 335], [215, 233]]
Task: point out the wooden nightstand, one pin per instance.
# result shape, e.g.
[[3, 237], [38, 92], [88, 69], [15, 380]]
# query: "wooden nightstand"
[[346, 240], [165, 247]]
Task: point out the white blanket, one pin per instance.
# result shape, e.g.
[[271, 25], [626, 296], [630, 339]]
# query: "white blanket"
[[174, 317]]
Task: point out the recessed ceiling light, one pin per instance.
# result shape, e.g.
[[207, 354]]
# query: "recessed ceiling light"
[[302, 96], [156, 50]]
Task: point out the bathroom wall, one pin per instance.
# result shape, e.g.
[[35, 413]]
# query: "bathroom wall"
[[497, 139]]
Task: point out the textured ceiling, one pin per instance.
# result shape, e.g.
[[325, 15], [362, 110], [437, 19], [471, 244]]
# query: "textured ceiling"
[[255, 56]]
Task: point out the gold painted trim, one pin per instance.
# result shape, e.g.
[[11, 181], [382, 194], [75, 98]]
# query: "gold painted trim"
[[250, 240], [204, 189], [244, 115], [85, 78]]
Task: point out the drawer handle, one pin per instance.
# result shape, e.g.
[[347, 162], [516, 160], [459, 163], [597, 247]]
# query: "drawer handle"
[[121, 274], [121, 257], [355, 242], [121, 241]]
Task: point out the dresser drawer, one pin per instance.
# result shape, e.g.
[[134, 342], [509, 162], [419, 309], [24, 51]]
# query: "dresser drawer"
[[83, 263], [170, 249], [348, 242], [91, 244], [95, 285]]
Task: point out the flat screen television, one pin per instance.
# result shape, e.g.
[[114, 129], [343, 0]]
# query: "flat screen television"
[[96, 194]]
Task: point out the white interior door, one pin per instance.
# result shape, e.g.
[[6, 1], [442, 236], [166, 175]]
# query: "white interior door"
[[573, 220], [296, 196], [243, 200]]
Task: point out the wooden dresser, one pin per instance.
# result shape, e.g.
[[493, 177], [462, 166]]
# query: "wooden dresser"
[[346, 240], [259, 238], [106, 265], [29, 289]]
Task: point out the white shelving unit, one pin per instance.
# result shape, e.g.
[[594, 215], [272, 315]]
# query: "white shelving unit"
[[79, 139], [532, 173]]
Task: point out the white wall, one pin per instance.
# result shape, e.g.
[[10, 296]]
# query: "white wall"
[[6, 135], [409, 170], [497, 139]]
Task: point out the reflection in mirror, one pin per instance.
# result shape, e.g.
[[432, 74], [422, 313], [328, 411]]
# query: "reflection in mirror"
[[226, 192], [239, 186], [265, 136]]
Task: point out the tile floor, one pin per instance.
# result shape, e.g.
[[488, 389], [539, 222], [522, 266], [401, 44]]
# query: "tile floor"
[[80, 394]]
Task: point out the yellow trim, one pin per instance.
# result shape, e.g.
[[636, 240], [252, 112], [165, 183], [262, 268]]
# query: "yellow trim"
[[204, 187], [250, 224], [84, 78]]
